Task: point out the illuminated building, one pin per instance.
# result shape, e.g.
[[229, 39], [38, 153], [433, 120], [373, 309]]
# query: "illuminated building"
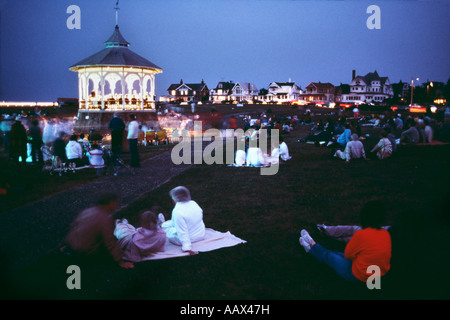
[[116, 78]]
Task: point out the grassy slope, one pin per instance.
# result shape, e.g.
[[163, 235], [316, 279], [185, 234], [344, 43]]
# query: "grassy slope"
[[268, 212]]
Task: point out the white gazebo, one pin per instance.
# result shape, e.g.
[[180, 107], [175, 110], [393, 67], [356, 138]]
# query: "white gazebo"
[[116, 78]]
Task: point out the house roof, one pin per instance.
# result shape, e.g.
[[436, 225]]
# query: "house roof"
[[247, 85], [320, 85], [372, 76], [285, 84], [225, 85], [116, 53], [192, 86]]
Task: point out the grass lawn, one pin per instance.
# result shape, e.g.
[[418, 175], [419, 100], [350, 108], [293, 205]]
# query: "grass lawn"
[[269, 212]]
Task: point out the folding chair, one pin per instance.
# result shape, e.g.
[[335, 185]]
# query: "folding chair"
[[141, 138], [161, 136], [150, 136]]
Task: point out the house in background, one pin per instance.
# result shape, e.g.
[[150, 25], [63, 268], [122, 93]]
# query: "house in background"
[[243, 91], [221, 92], [281, 92], [401, 89], [187, 92], [370, 88], [339, 91], [318, 93]]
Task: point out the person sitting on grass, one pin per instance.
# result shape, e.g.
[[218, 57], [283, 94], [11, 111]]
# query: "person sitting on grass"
[[383, 147], [284, 150], [353, 150], [410, 135], [340, 141], [137, 244], [427, 131], [92, 231], [186, 225], [369, 246], [391, 138], [325, 135]]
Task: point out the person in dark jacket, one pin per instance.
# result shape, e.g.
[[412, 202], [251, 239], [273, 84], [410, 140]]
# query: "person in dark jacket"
[[36, 142], [18, 142], [59, 147], [117, 127]]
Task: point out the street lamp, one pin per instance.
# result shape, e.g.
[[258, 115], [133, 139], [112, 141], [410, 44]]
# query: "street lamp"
[[428, 88], [412, 89]]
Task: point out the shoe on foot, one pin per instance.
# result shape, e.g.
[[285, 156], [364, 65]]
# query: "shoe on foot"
[[305, 244], [305, 235]]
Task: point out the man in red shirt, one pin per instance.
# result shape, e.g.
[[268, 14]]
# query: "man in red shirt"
[[370, 246]]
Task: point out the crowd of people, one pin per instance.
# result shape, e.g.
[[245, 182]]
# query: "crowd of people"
[[345, 137], [95, 228], [23, 140]]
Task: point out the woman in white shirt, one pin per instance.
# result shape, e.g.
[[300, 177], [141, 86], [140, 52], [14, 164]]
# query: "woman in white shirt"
[[186, 225], [74, 152], [284, 151]]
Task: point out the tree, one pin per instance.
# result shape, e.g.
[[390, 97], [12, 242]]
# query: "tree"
[[447, 91]]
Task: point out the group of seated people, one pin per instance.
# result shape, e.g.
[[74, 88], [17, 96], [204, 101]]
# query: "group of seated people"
[[95, 229], [254, 156], [75, 151], [346, 136]]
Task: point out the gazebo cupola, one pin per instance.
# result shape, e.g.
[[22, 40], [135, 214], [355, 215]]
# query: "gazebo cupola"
[[116, 78]]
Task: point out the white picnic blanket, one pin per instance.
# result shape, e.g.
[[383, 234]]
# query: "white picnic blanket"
[[213, 240]]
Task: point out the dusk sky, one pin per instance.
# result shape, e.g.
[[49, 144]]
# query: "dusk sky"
[[256, 41]]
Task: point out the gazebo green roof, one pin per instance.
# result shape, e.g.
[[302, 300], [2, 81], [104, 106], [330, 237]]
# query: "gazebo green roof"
[[116, 53]]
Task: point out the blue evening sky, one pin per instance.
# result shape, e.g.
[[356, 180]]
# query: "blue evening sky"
[[257, 41]]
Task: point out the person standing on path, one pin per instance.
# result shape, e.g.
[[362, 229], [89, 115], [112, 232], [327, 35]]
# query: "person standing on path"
[[117, 127], [35, 135], [132, 137], [18, 142]]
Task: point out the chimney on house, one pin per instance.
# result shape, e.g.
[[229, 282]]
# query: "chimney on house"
[[353, 74]]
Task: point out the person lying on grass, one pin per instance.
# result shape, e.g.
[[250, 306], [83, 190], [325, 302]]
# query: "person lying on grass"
[[369, 246], [186, 225]]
